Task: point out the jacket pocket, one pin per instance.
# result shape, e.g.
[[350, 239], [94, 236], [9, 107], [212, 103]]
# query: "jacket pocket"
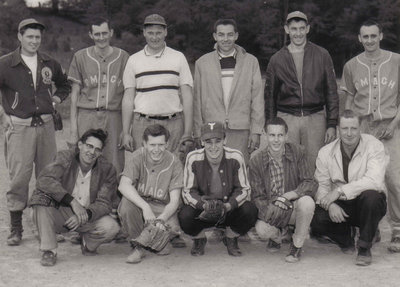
[[16, 100]]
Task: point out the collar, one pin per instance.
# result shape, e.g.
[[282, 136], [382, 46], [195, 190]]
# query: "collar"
[[158, 55], [16, 57], [288, 153], [336, 149], [232, 54]]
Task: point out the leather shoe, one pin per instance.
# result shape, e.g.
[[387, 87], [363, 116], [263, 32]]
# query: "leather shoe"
[[364, 257], [48, 258], [86, 251], [294, 254], [394, 245], [198, 246], [178, 242], [232, 246], [273, 246], [15, 237], [136, 256]]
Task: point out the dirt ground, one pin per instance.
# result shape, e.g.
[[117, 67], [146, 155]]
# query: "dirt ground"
[[320, 265]]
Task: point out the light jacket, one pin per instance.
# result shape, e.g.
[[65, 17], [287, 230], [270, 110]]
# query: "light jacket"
[[246, 102], [197, 178], [57, 182], [366, 168], [297, 176]]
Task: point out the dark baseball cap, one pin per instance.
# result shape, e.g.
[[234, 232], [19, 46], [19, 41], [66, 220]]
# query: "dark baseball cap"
[[296, 14], [155, 19], [29, 21], [212, 130]]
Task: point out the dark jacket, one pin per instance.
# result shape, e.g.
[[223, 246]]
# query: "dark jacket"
[[197, 178], [284, 93], [298, 176], [20, 98], [57, 182]]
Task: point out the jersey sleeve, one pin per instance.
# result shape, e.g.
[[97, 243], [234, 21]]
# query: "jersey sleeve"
[[74, 74], [346, 83], [128, 78], [177, 175], [185, 76], [131, 170]]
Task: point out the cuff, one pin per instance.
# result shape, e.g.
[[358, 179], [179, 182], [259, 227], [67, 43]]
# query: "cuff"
[[67, 199]]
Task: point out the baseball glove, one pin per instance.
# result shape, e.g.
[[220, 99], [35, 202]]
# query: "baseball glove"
[[154, 237], [278, 216], [186, 146], [214, 211]]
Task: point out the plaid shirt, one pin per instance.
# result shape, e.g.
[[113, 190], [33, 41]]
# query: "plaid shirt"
[[276, 175], [297, 176]]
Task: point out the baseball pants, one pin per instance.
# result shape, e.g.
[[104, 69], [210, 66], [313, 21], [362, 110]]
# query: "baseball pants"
[[50, 220], [240, 220], [365, 212], [25, 146], [301, 217]]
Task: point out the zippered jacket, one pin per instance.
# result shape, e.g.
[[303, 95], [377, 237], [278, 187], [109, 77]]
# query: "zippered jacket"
[[318, 89]]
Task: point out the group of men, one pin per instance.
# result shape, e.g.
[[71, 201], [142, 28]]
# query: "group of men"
[[132, 115]]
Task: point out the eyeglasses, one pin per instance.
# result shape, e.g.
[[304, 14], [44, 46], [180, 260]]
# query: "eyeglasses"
[[96, 149]]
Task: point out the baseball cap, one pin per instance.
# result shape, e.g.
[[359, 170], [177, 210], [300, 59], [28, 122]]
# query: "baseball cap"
[[155, 19], [212, 130], [296, 14], [29, 21]]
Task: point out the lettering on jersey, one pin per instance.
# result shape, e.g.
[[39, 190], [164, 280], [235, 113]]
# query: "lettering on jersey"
[[151, 192], [93, 80], [384, 82]]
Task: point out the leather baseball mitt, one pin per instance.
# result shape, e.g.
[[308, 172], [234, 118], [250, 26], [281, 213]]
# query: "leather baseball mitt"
[[278, 216], [214, 211], [154, 237]]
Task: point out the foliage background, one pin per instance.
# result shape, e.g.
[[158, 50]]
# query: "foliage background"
[[334, 24]]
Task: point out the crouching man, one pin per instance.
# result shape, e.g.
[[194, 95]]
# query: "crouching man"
[[351, 173], [216, 176], [74, 193], [151, 186], [282, 185]]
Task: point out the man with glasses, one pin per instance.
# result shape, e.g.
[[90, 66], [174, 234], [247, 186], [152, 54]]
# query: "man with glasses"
[[74, 194]]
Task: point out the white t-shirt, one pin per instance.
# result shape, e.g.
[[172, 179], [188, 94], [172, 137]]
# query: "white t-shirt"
[[31, 62]]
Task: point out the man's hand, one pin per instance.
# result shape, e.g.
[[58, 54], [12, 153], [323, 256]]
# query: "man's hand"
[[336, 213], [121, 140], [127, 142], [228, 206], [56, 100], [330, 135], [254, 142], [6, 121], [148, 214], [72, 223], [79, 211], [329, 199], [388, 132]]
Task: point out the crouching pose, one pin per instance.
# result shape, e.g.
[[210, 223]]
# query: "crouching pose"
[[282, 185], [216, 192], [351, 173], [151, 186], [74, 193]]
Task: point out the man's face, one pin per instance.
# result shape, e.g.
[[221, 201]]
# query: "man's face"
[[370, 38], [225, 36], [214, 148], [297, 31], [30, 41], [276, 138], [155, 36], [89, 151], [349, 131], [155, 147], [101, 35]]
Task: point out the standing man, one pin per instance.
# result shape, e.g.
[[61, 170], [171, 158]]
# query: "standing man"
[[351, 188], [151, 186], [228, 89], [158, 89], [216, 176], [301, 89], [26, 78], [280, 177], [97, 90], [74, 193], [371, 84]]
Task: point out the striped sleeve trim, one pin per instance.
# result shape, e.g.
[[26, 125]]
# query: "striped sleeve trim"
[[189, 176], [150, 89], [159, 72], [74, 80]]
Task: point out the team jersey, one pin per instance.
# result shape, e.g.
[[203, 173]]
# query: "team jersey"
[[100, 78], [153, 181], [157, 80], [374, 84]]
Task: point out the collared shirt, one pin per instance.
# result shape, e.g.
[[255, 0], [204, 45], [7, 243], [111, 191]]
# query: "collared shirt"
[[277, 175], [346, 161], [374, 84], [81, 190], [157, 55], [157, 81], [100, 78]]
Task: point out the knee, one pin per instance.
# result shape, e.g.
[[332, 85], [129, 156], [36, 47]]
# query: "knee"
[[127, 210], [305, 205], [249, 212], [372, 198], [264, 230], [109, 226], [186, 217]]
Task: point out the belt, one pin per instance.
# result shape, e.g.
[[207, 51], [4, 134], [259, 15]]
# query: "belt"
[[160, 118]]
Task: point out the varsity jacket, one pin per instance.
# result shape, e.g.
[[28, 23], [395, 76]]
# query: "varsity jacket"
[[57, 181], [246, 101], [20, 98], [366, 168], [297, 176], [284, 93], [197, 178]]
